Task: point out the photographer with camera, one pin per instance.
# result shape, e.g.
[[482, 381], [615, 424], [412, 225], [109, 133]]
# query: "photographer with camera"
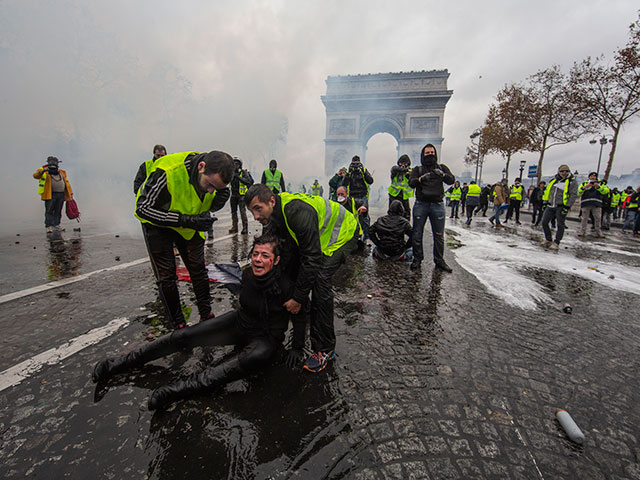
[[427, 180], [175, 206], [357, 180], [591, 195], [399, 188], [54, 189]]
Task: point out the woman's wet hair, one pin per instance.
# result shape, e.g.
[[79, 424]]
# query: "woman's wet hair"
[[267, 239]]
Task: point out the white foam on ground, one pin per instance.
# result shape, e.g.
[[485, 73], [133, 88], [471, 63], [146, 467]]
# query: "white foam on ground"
[[498, 262]]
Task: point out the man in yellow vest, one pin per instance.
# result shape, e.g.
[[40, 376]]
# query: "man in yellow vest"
[[316, 188], [147, 166], [273, 178], [320, 234], [455, 194], [472, 199], [399, 188], [240, 183], [557, 199], [54, 189], [516, 192], [174, 205]]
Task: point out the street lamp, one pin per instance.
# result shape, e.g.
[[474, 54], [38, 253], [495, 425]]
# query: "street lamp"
[[476, 134], [522, 164], [504, 172], [603, 142]]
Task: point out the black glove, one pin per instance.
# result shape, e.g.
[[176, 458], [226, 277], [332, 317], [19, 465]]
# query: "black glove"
[[438, 172], [294, 358], [564, 211], [201, 223]]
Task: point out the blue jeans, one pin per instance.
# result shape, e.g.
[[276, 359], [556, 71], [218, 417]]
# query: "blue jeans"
[[497, 210], [631, 215], [435, 212]]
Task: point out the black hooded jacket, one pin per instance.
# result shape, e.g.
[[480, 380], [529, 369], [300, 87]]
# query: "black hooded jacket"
[[388, 231], [240, 175], [430, 189], [302, 218]]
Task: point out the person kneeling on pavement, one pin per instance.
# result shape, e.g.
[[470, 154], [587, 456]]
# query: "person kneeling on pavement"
[[258, 327], [388, 234]]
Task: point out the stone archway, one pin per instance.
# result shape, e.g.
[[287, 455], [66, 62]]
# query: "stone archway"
[[409, 106]]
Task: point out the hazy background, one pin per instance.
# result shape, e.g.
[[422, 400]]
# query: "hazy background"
[[97, 84]]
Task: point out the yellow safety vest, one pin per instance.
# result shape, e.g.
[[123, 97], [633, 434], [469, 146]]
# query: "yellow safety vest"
[[615, 199], [401, 186], [315, 189], [184, 197], [41, 182], [273, 179], [336, 225], [474, 191], [516, 192], [456, 194], [565, 194]]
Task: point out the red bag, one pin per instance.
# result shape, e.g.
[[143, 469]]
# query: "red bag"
[[72, 210]]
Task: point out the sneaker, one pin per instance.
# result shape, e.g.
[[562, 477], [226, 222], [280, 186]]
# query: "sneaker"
[[491, 220], [319, 361], [245, 231], [49, 229], [415, 264], [546, 243], [468, 222], [554, 246], [208, 317], [442, 265], [518, 223]]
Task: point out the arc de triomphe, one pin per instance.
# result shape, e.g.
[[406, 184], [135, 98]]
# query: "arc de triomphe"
[[407, 105]]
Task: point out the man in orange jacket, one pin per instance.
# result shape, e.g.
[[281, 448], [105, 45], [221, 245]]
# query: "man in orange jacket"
[[54, 189]]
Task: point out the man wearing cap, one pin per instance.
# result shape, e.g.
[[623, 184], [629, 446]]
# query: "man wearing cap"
[[557, 199], [54, 189], [592, 194]]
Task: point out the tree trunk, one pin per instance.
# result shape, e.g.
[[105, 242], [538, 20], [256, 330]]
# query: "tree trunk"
[[612, 153], [506, 174], [540, 159]]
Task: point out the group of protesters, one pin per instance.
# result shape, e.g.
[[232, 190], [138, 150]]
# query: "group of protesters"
[[304, 241]]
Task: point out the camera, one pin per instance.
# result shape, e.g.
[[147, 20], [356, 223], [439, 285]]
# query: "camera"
[[592, 182]]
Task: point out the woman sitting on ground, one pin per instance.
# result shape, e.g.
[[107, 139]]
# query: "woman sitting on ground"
[[258, 327]]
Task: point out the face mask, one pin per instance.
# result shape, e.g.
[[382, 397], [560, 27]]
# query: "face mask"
[[429, 160], [53, 169], [273, 169], [342, 199]]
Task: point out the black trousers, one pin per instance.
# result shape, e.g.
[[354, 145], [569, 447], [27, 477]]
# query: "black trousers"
[[482, 207], [53, 209], [514, 206], [252, 355], [405, 205], [237, 202], [323, 336], [160, 242]]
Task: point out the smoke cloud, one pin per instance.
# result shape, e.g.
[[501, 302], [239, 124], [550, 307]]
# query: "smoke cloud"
[[97, 84]]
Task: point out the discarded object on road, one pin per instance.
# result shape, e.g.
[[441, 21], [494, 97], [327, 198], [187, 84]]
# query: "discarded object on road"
[[117, 259], [569, 426], [566, 308]]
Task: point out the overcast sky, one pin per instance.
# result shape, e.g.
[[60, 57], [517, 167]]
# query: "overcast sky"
[[99, 83]]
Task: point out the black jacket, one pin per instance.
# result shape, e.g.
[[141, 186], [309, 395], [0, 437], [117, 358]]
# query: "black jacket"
[[536, 196], [261, 310], [154, 200], [485, 193], [431, 190], [304, 259], [243, 176], [358, 181], [141, 176], [388, 233]]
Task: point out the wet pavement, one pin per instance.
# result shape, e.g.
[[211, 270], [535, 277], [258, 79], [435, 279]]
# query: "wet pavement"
[[437, 375]]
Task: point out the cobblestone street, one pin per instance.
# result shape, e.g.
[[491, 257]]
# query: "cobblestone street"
[[434, 378]]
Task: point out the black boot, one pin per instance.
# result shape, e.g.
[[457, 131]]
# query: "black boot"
[[415, 264], [234, 226], [109, 367], [202, 382], [245, 229]]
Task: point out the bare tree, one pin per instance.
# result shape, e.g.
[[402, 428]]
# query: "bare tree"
[[610, 94], [506, 129], [553, 117]]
